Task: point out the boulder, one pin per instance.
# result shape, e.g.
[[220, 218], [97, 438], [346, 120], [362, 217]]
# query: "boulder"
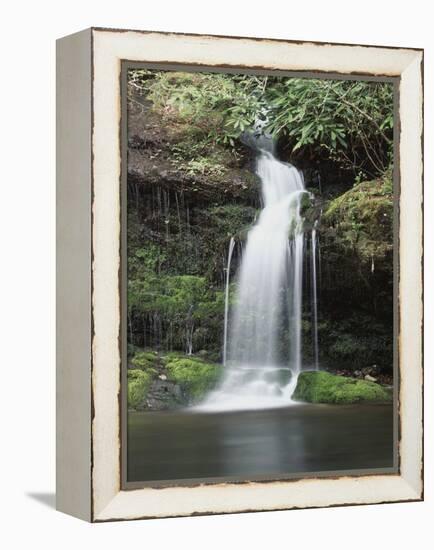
[[324, 387]]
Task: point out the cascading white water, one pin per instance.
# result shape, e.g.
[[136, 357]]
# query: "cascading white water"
[[227, 278], [314, 297], [263, 344]]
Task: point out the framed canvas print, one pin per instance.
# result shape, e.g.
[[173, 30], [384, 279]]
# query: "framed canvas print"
[[239, 266]]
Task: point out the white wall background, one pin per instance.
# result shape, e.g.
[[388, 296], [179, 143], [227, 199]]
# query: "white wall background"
[[29, 29]]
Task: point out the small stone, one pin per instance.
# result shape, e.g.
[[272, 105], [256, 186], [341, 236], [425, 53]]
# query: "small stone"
[[370, 378], [162, 377]]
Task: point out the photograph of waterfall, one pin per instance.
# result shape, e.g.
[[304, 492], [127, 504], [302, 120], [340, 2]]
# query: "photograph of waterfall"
[[260, 286]]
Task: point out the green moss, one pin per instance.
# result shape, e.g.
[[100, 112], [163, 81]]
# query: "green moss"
[[323, 387], [144, 360], [194, 376], [230, 220], [361, 220], [138, 385], [172, 356]]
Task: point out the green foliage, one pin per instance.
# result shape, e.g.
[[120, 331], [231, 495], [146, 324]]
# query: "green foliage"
[[323, 387], [229, 220], [348, 122], [204, 165], [195, 157], [184, 302], [356, 338], [194, 376], [186, 297], [221, 105], [345, 347], [359, 351], [144, 260], [138, 385]]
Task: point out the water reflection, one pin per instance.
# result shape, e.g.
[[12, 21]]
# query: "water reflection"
[[271, 442]]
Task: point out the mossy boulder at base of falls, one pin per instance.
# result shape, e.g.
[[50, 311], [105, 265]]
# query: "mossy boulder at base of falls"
[[165, 381], [195, 377], [139, 382], [324, 387]]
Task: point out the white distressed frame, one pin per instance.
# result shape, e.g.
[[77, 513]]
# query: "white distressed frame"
[[107, 501]]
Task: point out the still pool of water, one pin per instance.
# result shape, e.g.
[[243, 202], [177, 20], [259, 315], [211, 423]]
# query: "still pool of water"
[[183, 445]]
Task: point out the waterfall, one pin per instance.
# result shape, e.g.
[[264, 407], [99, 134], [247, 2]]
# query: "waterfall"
[[228, 270], [314, 297], [262, 344]]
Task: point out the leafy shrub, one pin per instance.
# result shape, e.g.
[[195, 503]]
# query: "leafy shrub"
[[349, 122]]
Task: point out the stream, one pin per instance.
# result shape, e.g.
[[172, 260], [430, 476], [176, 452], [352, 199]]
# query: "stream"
[[182, 445]]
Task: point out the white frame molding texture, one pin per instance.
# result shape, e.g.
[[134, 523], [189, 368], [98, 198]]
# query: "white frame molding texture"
[[88, 297]]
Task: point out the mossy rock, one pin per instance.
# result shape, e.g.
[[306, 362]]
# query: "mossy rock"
[[195, 377], [145, 360], [172, 356], [361, 220], [139, 382], [324, 387]]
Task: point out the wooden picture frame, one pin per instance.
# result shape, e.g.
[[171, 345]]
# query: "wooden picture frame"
[[89, 273]]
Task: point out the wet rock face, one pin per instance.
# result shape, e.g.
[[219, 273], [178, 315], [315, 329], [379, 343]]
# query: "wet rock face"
[[162, 395], [152, 146]]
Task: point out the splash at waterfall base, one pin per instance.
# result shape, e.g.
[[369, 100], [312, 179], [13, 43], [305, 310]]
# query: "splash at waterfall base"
[[176, 382]]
